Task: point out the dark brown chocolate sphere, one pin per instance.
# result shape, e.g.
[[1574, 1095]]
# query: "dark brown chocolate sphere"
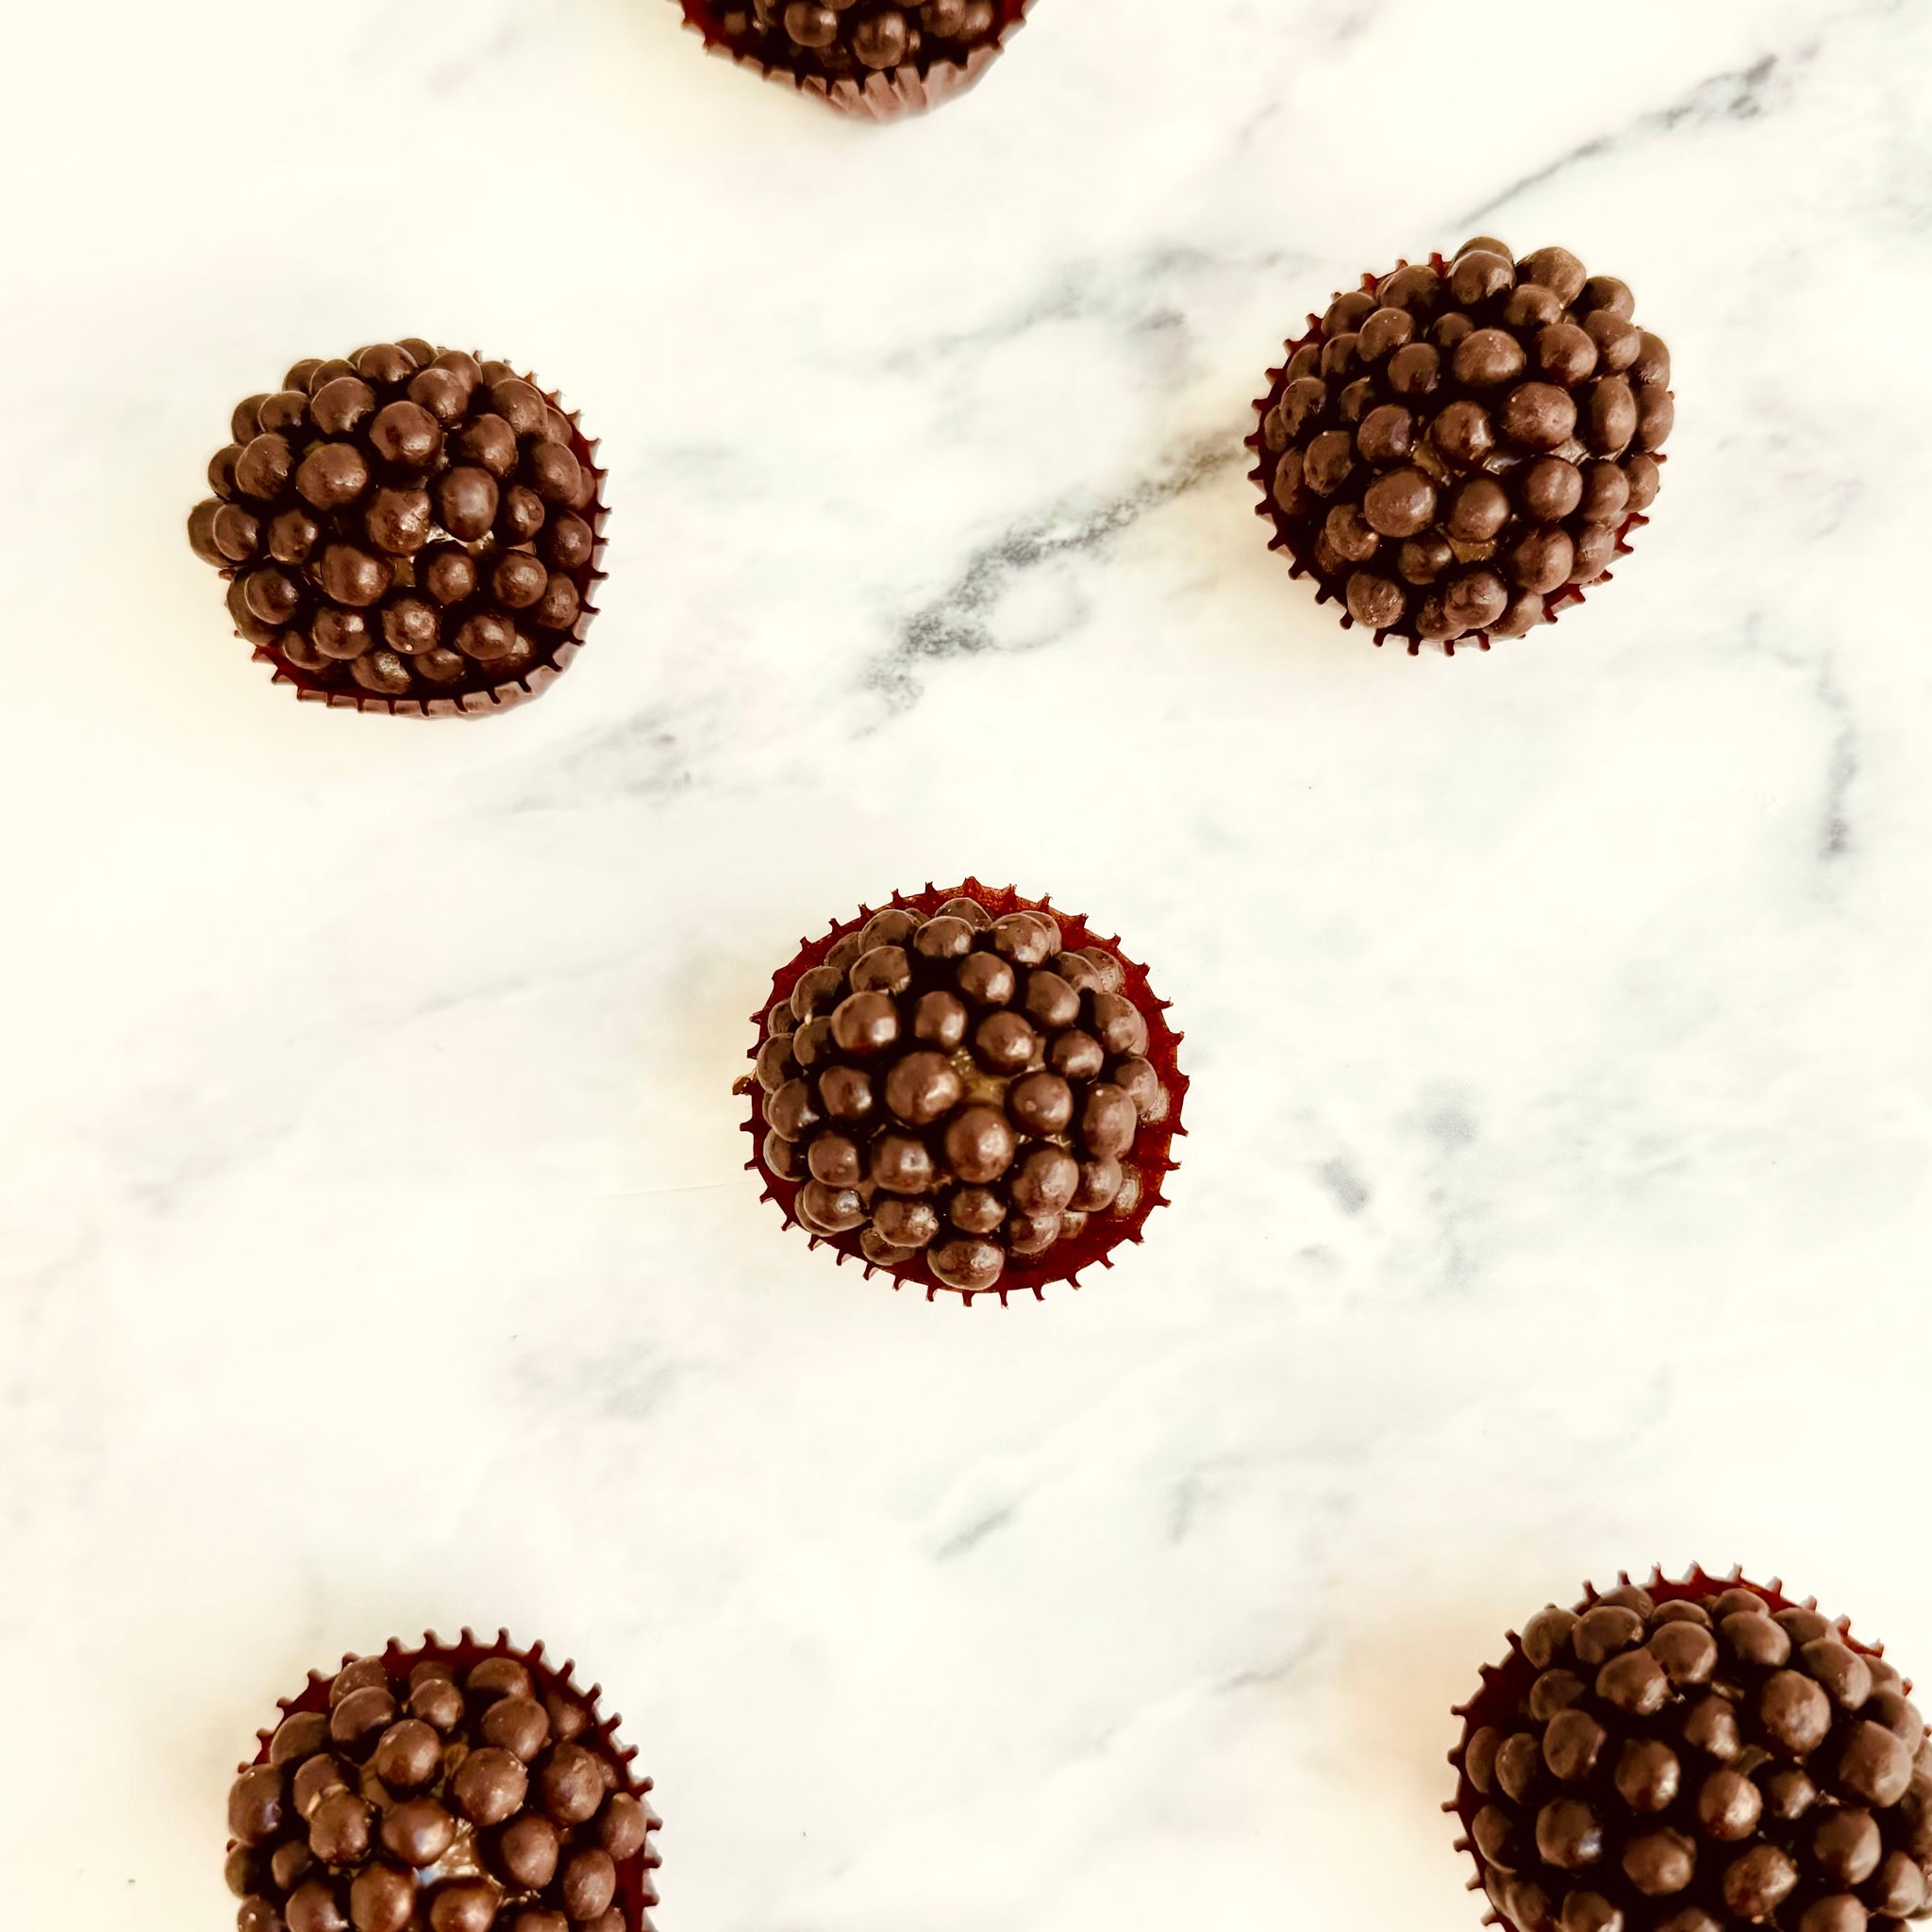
[[401, 534], [968, 1090], [876, 57], [1456, 450], [1699, 1755], [460, 1786]]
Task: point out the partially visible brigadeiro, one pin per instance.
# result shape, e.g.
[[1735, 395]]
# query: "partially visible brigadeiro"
[[1695, 1755], [466, 1786], [1457, 449], [870, 58], [969, 1090], [409, 529]]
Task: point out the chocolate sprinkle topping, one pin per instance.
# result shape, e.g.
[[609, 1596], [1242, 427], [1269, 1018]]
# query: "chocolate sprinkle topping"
[[1457, 449], [408, 531], [966, 1089], [455, 1788], [1695, 1756]]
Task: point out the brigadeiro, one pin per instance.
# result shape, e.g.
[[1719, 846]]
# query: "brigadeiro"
[[408, 531], [969, 1090], [454, 1787], [1457, 449], [1695, 1756], [867, 58]]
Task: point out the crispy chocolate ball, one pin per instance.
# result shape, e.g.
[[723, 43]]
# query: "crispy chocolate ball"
[[967, 1092], [399, 533], [458, 1789], [1695, 1756], [1457, 449], [824, 43]]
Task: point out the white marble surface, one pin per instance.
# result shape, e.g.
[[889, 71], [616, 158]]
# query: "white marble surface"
[[374, 1247]]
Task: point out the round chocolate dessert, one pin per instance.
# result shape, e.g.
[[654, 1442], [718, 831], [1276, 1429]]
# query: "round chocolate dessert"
[[1456, 450], [410, 530], [1695, 1756], [968, 1090], [455, 1788], [870, 58]]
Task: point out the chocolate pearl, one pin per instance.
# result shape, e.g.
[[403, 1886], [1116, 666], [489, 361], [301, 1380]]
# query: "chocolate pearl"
[[552, 473], [1386, 435], [1648, 1775], [410, 626], [1565, 354], [1896, 1712], [905, 1223], [292, 1863], [354, 576], [943, 17], [1758, 1882], [1487, 358], [833, 1159], [1532, 306], [418, 1831], [784, 1159], [572, 1784], [1606, 293], [1682, 1611], [985, 980], [976, 1210], [789, 1113], [490, 1785], [362, 1716], [1494, 1832], [1794, 1712], [466, 500], [1687, 1651], [880, 40], [1478, 508], [1462, 434], [1479, 1758], [559, 606], [437, 1702], [520, 1725], [448, 575], [894, 926], [972, 1265], [1873, 1765], [1108, 1121], [1542, 559], [1302, 403], [237, 533], [244, 426], [519, 579], [1417, 288], [1603, 1631], [528, 1849], [1327, 461], [1347, 534], [1447, 330], [588, 1883], [1652, 365], [1006, 1042], [299, 1735], [254, 1804], [1710, 1725], [817, 990], [408, 1754], [1616, 342], [1898, 1888], [313, 1906], [943, 938], [1641, 473], [245, 621], [1383, 332], [1523, 613], [1289, 495], [940, 1020], [1571, 1744], [339, 1829], [1401, 503], [1118, 1024], [881, 969], [1100, 1186], [1610, 421], [980, 1144], [1840, 1913], [1520, 1766], [1569, 1835], [1341, 356], [398, 521], [360, 1673], [1557, 270], [1022, 939], [342, 406], [1729, 1806], [314, 1781], [284, 414], [292, 535], [201, 532], [626, 1824], [1481, 274], [1041, 1103], [489, 636], [490, 444], [1347, 312], [520, 514], [1046, 1181], [1661, 1863], [1538, 415], [865, 1024], [262, 468], [1846, 1847], [381, 1899], [1634, 1683], [258, 1915], [1374, 601], [812, 1040], [323, 373], [1657, 413], [1605, 493], [1415, 368], [1549, 488], [1590, 1911], [1839, 1668], [534, 1920], [388, 365], [1804, 1626], [221, 470], [1075, 1055], [1031, 1234], [469, 1904], [442, 393], [461, 364], [520, 405]]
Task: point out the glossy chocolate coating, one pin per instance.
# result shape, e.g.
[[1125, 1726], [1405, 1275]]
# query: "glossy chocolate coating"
[[459, 1790], [849, 40], [403, 532], [1695, 1754], [1457, 450]]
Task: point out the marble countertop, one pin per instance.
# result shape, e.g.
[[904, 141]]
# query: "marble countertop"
[[373, 1250]]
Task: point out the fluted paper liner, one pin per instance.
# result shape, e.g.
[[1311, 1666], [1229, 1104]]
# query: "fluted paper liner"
[[1151, 1158], [637, 1892], [1302, 563], [883, 97]]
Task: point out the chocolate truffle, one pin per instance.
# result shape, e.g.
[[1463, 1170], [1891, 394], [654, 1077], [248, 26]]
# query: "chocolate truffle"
[[455, 1788], [1457, 449], [873, 59], [968, 1090], [408, 531], [1695, 1756]]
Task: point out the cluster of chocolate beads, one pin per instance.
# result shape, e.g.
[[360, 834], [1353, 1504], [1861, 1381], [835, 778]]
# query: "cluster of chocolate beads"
[[463, 1792], [951, 1090], [408, 526], [838, 40], [1459, 448], [1694, 1757]]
